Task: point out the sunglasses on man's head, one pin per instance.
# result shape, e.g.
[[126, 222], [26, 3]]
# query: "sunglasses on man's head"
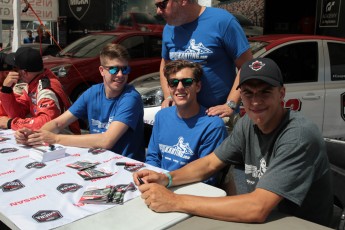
[[116, 69], [186, 82], [162, 5]]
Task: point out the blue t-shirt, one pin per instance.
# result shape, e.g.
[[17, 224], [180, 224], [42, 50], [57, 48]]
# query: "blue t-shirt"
[[176, 142], [215, 40], [101, 111]]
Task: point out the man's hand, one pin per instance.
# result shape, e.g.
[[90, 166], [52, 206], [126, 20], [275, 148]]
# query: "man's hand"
[[220, 110], [149, 176], [21, 135], [167, 103], [11, 79], [158, 198], [42, 137], [3, 122]]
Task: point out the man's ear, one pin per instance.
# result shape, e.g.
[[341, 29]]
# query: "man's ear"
[[101, 70], [198, 86]]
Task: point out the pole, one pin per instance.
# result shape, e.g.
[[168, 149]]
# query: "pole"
[[16, 38]]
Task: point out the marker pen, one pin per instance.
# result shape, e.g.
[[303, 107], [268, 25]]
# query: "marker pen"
[[129, 164]]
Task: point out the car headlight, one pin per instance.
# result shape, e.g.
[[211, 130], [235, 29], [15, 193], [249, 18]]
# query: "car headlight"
[[61, 71], [152, 98]]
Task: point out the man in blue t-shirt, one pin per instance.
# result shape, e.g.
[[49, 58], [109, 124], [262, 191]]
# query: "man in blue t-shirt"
[[211, 37], [113, 109], [184, 133], [29, 38]]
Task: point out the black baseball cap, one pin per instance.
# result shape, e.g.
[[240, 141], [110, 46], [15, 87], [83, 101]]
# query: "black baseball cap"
[[25, 58], [264, 69]]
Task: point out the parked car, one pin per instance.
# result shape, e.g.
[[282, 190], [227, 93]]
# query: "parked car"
[[139, 21], [313, 68], [77, 64]]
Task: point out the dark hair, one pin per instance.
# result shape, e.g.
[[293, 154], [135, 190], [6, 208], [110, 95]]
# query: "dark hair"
[[175, 66], [113, 51]]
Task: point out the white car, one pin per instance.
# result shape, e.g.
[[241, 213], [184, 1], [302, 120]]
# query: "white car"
[[313, 69]]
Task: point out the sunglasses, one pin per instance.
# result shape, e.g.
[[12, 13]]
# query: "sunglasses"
[[186, 82], [162, 5], [116, 69]]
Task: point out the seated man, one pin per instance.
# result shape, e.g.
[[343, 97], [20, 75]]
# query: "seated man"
[[183, 133], [31, 95], [284, 155], [113, 109]]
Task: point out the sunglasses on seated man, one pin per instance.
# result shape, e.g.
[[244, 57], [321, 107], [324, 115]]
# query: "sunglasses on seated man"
[[116, 69], [186, 82], [162, 5]]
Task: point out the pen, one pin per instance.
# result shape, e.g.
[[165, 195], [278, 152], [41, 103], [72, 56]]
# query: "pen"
[[52, 147], [129, 164], [140, 180]]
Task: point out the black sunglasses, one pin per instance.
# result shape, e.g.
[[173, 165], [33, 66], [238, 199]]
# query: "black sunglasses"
[[186, 82], [162, 5], [116, 69]]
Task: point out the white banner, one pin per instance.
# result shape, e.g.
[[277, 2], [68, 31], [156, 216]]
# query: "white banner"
[[36, 195], [46, 10]]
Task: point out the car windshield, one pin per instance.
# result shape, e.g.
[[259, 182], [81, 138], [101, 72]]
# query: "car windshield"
[[257, 45], [87, 47]]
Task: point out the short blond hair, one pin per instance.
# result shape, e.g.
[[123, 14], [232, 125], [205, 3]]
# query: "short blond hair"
[[113, 51]]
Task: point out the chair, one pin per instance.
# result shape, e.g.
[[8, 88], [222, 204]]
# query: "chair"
[[336, 156]]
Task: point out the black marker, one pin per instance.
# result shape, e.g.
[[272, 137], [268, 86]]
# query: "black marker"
[[129, 164], [140, 180], [52, 147]]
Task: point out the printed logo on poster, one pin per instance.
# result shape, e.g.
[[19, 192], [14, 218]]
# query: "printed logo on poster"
[[68, 187], [330, 13], [79, 8], [47, 215], [36, 164], [12, 186]]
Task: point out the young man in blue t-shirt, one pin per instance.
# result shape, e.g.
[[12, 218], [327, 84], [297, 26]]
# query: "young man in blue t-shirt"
[[113, 109], [184, 132]]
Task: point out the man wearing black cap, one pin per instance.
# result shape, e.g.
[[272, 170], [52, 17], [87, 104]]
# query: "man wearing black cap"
[[286, 165], [41, 95]]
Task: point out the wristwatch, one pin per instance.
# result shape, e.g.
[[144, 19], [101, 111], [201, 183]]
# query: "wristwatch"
[[232, 105]]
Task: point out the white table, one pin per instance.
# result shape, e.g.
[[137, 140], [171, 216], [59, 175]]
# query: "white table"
[[136, 215], [133, 214]]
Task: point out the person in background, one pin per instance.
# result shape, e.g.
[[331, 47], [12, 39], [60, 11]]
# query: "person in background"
[[284, 154], [30, 94], [41, 36], [114, 111], [213, 38], [184, 133], [29, 38]]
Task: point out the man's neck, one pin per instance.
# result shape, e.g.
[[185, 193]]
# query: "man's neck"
[[188, 111], [193, 12]]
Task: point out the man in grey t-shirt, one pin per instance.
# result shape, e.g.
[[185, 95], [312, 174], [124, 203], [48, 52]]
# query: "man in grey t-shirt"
[[284, 155]]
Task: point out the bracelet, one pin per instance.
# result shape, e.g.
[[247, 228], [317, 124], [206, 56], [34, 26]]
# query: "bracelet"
[[170, 179], [169, 97]]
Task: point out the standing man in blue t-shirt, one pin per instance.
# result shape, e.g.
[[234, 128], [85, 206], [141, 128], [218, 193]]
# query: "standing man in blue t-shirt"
[[212, 37], [29, 38], [113, 108], [184, 133]]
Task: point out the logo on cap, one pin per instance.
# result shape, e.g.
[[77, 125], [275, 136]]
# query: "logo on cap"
[[257, 65]]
